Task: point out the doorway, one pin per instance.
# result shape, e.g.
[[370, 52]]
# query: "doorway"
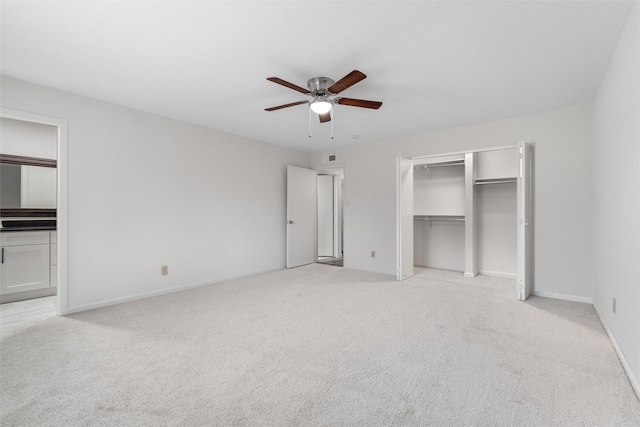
[[314, 221], [58, 271], [330, 217]]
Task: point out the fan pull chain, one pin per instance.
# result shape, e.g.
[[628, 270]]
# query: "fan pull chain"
[[333, 119], [309, 120]]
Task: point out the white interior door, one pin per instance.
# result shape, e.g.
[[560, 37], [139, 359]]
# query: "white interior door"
[[525, 222], [301, 216], [405, 218]]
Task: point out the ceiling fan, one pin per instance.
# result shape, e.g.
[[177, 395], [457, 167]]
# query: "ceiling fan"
[[323, 90]]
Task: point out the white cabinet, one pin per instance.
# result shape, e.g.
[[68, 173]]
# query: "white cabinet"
[[26, 261]]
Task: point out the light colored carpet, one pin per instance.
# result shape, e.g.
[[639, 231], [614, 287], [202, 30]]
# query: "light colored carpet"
[[319, 345]]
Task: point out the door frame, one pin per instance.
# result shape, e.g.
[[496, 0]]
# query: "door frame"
[[339, 211], [524, 242], [61, 208], [404, 226], [530, 261]]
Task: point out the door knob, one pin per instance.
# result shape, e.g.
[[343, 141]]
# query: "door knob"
[[289, 222]]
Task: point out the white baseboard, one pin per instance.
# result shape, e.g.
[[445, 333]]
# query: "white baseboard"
[[573, 298], [79, 308], [497, 274], [632, 379], [470, 274]]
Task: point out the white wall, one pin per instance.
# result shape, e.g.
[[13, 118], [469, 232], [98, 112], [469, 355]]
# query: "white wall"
[[146, 191], [616, 198], [563, 183], [438, 244], [21, 138], [439, 191]]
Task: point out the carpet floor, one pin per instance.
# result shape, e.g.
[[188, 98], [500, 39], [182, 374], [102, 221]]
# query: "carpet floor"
[[319, 346]]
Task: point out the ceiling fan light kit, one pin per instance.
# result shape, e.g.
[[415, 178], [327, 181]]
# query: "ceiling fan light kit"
[[323, 90], [320, 106]]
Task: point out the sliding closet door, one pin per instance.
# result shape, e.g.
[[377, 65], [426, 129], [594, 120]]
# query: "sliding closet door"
[[525, 224], [301, 216], [404, 218]]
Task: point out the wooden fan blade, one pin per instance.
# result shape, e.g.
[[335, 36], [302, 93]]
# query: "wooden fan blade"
[[347, 81], [358, 103], [289, 85], [326, 117], [286, 105]]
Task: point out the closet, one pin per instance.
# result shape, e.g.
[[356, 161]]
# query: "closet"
[[495, 205], [439, 213], [465, 212]]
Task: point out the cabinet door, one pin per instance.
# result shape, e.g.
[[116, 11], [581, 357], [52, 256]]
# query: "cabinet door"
[[24, 268]]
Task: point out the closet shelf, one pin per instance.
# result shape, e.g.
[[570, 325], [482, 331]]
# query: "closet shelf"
[[480, 181]]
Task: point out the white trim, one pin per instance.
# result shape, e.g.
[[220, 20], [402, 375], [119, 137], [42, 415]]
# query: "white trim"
[[61, 213], [470, 274], [93, 306], [498, 274], [398, 222], [627, 369], [554, 295]]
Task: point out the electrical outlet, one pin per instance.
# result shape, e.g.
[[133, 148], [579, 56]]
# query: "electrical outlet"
[[164, 270], [373, 254], [614, 306]]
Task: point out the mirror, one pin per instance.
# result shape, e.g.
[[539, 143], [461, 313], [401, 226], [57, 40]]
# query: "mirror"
[[27, 186]]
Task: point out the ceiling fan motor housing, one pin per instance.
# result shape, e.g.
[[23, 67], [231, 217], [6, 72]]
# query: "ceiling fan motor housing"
[[318, 86]]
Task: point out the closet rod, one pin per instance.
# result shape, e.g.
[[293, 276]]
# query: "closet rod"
[[438, 218], [495, 181], [438, 165]]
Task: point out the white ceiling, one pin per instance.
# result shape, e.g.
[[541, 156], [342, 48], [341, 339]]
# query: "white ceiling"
[[433, 64]]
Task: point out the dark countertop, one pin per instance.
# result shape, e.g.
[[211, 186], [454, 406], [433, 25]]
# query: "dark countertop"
[[43, 228], [28, 225]]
